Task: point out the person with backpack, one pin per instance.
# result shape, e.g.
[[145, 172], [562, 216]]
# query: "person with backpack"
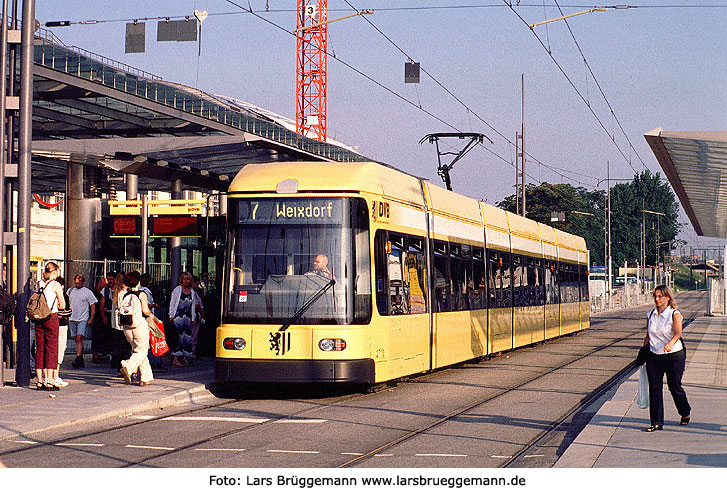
[[132, 310], [44, 313], [120, 349]]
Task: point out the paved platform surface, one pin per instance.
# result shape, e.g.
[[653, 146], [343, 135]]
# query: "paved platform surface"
[[615, 437], [95, 393]]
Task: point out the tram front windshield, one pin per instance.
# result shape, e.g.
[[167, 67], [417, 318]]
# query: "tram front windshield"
[[288, 253]]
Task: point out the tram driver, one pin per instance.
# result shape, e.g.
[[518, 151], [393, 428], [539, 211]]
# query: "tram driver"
[[320, 267]]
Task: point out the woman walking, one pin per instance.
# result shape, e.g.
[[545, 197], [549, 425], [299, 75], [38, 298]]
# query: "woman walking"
[[137, 333], [666, 356], [46, 331]]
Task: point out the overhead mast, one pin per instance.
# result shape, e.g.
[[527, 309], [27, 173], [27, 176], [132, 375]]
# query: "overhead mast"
[[312, 69]]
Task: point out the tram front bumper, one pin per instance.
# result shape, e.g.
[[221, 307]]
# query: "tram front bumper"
[[295, 371]]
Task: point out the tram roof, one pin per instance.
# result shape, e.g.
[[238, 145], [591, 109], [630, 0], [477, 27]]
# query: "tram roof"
[[379, 179], [369, 177], [695, 163]]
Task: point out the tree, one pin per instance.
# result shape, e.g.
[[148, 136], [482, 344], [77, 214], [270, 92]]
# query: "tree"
[[646, 192]]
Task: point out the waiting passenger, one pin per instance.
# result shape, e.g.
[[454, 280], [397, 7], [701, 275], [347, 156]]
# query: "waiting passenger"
[[82, 303]]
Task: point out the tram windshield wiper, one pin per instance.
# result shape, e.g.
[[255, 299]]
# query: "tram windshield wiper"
[[312, 300]]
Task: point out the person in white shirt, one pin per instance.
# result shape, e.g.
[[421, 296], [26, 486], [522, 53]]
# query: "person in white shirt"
[[666, 356], [82, 304]]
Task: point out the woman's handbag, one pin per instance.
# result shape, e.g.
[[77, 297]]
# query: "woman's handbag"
[[157, 340], [642, 397], [642, 355]]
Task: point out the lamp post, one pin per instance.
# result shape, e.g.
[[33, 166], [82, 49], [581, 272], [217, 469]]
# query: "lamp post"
[[656, 263], [607, 228]]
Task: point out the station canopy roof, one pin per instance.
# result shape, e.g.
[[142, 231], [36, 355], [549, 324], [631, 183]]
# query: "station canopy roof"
[[695, 163], [116, 120]]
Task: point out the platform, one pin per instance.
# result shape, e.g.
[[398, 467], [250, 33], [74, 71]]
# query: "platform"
[[615, 437], [95, 393]]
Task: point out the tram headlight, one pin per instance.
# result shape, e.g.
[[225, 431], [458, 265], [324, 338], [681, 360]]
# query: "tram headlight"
[[234, 343], [332, 344]]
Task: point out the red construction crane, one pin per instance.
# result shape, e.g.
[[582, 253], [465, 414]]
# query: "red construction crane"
[[312, 68]]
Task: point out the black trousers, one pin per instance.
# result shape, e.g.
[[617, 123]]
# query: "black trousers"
[[673, 366]]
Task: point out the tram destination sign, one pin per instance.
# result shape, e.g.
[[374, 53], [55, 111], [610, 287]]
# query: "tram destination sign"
[[291, 211]]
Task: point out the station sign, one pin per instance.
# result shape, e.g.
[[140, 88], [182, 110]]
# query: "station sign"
[[167, 218], [173, 226], [126, 226], [163, 208]]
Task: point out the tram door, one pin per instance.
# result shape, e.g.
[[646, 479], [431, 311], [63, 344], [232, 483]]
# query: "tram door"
[[401, 299]]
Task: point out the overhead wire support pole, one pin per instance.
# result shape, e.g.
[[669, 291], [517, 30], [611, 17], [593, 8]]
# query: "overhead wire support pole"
[[22, 375], [522, 145]]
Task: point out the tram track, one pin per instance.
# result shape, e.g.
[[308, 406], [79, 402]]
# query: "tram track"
[[583, 404]]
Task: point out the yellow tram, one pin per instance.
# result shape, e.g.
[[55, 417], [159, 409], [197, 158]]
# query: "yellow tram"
[[361, 273]]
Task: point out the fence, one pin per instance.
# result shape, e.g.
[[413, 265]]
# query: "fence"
[[628, 295], [716, 296]]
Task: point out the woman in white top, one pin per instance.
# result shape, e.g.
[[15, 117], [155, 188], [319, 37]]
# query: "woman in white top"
[[46, 332], [138, 334], [666, 356]]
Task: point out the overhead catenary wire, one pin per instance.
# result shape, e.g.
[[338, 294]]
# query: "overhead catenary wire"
[[573, 85], [551, 187], [598, 85], [468, 108], [395, 9], [381, 85]]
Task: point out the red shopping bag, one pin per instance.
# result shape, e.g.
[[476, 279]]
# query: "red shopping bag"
[[157, 340]]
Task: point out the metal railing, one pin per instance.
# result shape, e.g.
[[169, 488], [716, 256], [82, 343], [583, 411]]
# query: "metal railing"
[[628, 295]]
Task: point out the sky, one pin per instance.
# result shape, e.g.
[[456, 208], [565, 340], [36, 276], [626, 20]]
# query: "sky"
[[659, 64]]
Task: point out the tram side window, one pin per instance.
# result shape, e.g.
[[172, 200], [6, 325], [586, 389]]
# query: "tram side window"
[[583, 277], [400, 274], [519, 281], [479, 283], [500, 279], [532, 291], [536, 268], [416, 274], [552, 292], [506, 279], [362, 281], [382, 273], [398, 286], [457, 267], [442, 290], [568, 279]]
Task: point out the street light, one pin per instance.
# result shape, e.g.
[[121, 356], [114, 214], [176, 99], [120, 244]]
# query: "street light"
[[607, 228], [645, 211]]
